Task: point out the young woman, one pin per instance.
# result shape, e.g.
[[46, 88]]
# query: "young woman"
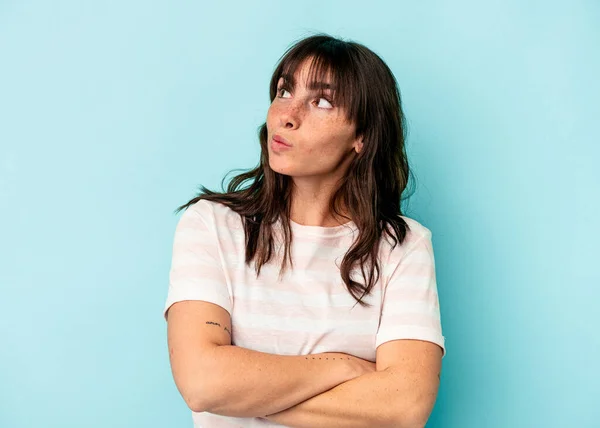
[[306, 299]]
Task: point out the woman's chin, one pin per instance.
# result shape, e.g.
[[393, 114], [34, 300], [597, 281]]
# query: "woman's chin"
[[279, 168]]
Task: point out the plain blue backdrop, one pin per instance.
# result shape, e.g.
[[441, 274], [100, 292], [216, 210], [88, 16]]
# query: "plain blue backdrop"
[[113, 112]]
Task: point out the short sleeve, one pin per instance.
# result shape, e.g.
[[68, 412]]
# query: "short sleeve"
[[410, 307], [197, 272]]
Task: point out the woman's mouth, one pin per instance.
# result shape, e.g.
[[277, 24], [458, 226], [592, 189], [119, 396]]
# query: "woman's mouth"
[[278, 143], [279, 146]]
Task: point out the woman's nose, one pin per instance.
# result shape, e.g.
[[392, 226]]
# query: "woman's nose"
[[291, 115]]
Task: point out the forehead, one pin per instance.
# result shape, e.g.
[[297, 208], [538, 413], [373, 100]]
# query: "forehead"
[[315, 77]]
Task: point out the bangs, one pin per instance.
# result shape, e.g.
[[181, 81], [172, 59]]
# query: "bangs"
[[330, 72]]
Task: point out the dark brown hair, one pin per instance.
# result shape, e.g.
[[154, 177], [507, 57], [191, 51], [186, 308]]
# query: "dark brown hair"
[[375, 180]]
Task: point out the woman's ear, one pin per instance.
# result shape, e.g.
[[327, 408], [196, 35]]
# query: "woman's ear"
[[358, 145]]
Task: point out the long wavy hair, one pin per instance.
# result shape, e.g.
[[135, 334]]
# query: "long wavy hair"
[[374, 182]]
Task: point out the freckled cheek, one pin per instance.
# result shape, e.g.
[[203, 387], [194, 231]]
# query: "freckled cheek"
[[322, 151], [270, 118], [274, 112]]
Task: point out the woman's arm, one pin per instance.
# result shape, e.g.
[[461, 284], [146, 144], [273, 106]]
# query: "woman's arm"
[[401, 394], [247, 383], [216, 377]]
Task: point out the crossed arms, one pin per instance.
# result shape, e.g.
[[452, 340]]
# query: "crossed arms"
[[320, 390]]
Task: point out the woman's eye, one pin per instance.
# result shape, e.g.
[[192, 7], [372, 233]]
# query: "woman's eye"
[[283, 89], [327, 101], [279, 91]]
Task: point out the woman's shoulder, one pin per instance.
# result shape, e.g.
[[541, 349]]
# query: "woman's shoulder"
[[216, 213], [415, 231], [415, 228]]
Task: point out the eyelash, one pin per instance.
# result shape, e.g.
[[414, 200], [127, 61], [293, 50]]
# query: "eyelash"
[[283, 87]]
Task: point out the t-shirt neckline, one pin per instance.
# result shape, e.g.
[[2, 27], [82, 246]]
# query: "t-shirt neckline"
[[322, 231]]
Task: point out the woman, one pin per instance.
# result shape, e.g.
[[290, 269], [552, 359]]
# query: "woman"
[[306, 298]]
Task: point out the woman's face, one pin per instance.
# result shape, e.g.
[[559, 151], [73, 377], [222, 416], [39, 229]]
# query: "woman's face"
[[321, 141]]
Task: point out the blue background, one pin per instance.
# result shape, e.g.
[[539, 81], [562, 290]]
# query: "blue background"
[[112, 113]]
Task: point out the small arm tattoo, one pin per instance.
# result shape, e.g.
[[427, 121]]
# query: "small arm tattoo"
[[327, 358], [217, 324]]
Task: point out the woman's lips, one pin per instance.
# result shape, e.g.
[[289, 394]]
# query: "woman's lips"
[[281, 140], [279, 146]]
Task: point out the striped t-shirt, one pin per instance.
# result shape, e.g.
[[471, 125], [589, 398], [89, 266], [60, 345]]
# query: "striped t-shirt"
[[308, 310]]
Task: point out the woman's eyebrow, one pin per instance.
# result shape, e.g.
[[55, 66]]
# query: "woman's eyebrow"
[[313, 86]]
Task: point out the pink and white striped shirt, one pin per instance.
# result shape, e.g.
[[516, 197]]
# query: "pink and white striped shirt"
[[309, 310]]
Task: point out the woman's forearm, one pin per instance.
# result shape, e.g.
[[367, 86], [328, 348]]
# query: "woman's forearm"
[[241, 382]]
